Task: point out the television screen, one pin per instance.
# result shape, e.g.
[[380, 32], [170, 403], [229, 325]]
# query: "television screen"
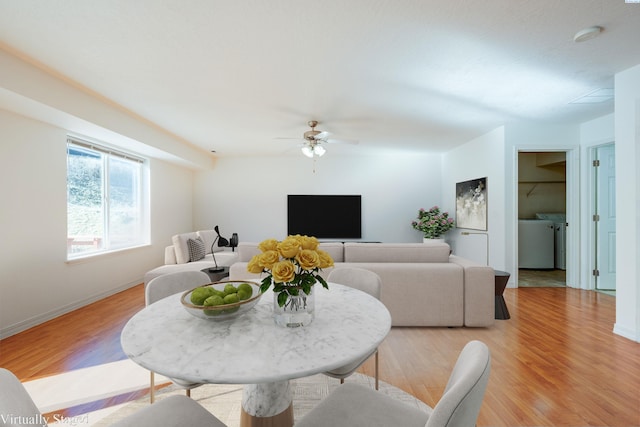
[[325, 216]]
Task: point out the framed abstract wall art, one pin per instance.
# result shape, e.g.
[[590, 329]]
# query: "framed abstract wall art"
[[471, 204]]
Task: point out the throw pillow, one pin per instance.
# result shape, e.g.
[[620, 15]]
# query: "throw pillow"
[[196, 249]]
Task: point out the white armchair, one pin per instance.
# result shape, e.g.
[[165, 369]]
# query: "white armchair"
[[18, 409], [161, 287], [365, 281], [357, 406]]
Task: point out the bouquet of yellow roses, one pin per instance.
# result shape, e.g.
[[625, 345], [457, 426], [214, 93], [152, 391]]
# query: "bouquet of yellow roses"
[[291, 265]]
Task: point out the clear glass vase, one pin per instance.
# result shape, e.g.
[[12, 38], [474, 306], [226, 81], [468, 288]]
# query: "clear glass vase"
[[297, 310]]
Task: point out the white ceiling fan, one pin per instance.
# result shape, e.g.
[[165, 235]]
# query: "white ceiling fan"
[[314, 140]]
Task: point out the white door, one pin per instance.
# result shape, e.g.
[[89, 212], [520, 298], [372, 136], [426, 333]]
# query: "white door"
[[606, 214]]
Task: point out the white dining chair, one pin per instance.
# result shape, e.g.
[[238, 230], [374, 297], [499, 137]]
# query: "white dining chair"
[[163, 286], [18, 409], [365, 281], [354, 405]]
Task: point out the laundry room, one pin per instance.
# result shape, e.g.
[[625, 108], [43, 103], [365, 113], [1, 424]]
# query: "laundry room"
[[542, 219]]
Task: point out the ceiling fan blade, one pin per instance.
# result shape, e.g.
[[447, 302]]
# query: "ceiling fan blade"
[[323, 135], [342, 141], [287, 138]]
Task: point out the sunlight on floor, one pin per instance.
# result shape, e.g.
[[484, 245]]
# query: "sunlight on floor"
[[88, 385]]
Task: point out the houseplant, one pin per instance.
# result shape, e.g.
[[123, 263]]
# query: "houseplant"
[[292, 266], [433, 223]]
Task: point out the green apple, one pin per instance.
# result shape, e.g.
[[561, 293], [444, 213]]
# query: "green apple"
[[230, 289], [231, 298]]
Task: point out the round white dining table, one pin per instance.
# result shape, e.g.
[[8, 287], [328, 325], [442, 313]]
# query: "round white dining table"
[[252, 350]]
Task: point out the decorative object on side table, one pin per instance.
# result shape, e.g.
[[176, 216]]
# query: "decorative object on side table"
[[292, 267], [501, 310], [222, 242], [216, 274], [433, 223]]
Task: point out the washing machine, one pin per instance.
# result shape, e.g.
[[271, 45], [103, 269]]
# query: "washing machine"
[[560, 237], [536, 244]]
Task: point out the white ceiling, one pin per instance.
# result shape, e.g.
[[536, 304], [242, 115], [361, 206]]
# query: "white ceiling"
[[232, 76]]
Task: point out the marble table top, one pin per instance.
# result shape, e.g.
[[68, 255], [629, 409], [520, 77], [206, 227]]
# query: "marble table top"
[[164, 338]]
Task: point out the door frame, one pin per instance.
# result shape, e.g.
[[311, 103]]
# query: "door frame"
[[572, 154]]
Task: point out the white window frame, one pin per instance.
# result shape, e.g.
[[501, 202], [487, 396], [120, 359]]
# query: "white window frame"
[[142, 195]]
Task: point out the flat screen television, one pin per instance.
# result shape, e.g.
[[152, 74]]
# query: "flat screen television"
[[325, 216]]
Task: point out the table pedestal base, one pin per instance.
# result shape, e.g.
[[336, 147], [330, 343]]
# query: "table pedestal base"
[[267, 405], [283, 419]]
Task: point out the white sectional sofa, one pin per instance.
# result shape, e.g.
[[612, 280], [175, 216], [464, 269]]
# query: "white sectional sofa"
[[422, 284], [178, 258]]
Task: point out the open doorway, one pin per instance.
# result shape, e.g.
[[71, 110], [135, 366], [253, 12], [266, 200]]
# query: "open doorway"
[[542, 218]]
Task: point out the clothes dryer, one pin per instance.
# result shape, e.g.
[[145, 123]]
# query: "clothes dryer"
[[536, 244]]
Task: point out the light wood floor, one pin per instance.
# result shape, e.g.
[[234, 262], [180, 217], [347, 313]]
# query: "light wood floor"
[[541, 278], [556, 362]]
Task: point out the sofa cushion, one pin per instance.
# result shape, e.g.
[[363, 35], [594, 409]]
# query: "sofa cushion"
[[170, 255], [180, 244], [420, 294], [335, 249], [208, 236], [246, 250], [396, 252], [196, 249]]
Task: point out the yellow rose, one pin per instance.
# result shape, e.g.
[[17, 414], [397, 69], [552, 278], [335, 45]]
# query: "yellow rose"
[[307, 242], [268, 245], [289, 247], [295, 237], [268, 258], [283, 271], [325, 259], [254, 265], [308, 259]]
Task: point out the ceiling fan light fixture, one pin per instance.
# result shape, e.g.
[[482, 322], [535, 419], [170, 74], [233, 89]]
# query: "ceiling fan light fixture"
[[313, 150], [307, 151]]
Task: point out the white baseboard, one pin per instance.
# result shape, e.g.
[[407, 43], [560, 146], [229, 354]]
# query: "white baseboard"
[[41, 318], [633, 335]]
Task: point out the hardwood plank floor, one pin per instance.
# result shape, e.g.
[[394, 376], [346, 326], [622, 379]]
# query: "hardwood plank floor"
[[556, 362]]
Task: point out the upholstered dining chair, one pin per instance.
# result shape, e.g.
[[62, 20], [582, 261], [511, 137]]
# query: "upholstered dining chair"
[[163, 286], [365, 281], [19, 410], [356, 406]]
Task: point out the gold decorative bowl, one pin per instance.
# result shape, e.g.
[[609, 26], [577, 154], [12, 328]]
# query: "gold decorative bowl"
[[226, 311]]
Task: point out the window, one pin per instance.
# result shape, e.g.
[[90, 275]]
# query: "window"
[[105, 200]]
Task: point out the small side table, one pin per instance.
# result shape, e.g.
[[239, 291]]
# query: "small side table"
[[216, 276], [502, 278]]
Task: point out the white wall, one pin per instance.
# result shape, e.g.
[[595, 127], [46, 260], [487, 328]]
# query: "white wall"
[[627, 131], [248, 195], [481, 157], [37, 283], [494, 155], [32, 92]]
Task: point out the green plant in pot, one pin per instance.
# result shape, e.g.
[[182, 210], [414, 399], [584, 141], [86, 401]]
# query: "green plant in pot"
[[433, 223]]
